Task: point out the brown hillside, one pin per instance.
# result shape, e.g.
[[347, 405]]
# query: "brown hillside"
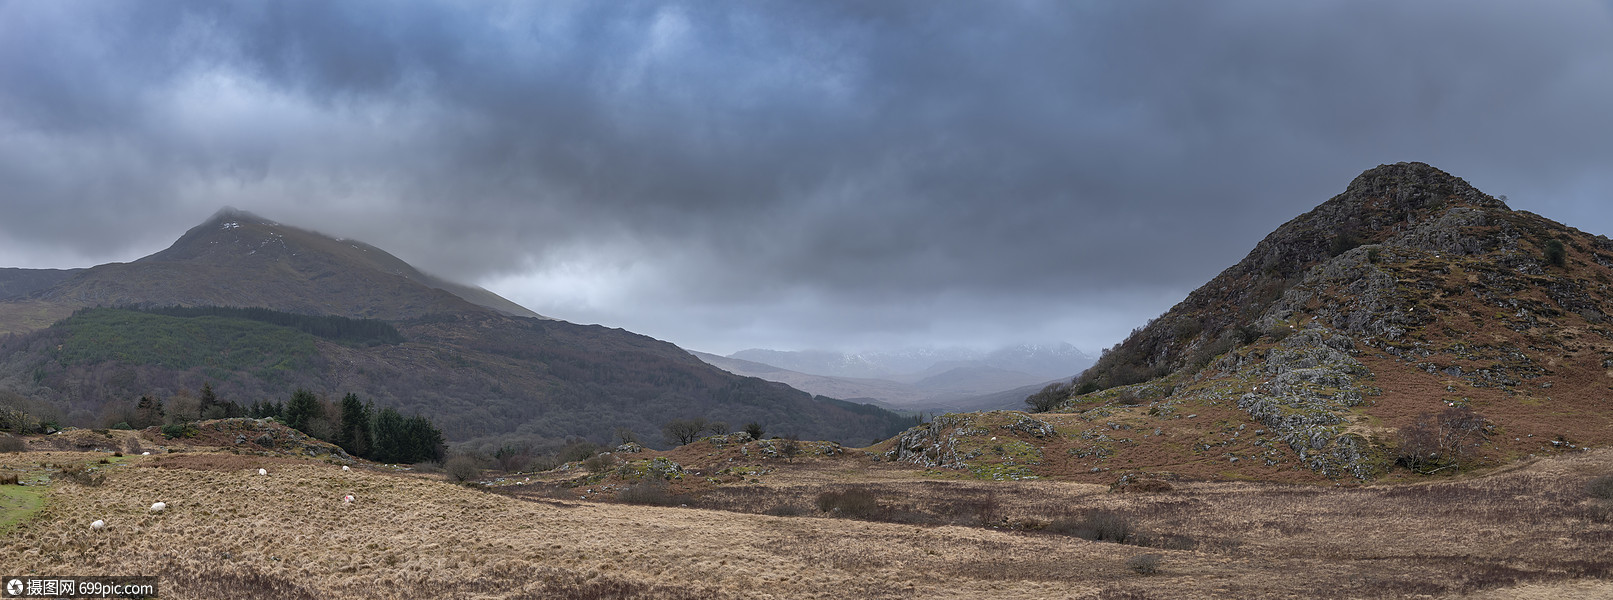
[[1409, 325], [239, 259]]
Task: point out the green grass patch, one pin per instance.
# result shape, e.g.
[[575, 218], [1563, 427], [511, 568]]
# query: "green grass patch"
[[17, 505]]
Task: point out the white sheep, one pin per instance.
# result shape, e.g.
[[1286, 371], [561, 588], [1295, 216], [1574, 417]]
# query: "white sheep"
[[146, 453], [263, 471], [159, 507], [348, 499], [97, 524], [345, 468]]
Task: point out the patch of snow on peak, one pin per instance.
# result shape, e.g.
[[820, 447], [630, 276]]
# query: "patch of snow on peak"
[[230, 225]]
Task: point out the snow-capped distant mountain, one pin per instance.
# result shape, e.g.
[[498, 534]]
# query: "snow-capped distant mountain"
[[1042, 361], [1050, 360]]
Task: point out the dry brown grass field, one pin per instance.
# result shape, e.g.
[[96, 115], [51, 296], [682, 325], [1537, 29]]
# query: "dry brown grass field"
[[1529, 531]]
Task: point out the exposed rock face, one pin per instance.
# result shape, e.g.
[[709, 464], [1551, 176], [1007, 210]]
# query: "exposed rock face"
[[1309, 384], [935, 444], [984, 444]]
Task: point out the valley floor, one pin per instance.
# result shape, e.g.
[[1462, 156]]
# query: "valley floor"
[[1531, 531]]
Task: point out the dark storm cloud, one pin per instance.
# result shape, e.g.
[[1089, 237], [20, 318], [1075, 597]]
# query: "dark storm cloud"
[[788, 174]]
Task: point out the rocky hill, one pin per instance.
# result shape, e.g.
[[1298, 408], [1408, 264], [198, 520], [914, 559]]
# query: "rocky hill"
[[1409, 325], [480, 366]]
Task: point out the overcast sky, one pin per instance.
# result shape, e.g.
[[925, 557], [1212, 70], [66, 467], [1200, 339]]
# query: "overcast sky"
[[839, 175]]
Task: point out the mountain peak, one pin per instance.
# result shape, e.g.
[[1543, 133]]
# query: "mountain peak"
[[237, 258], [1390, 202], [1411, 293], [1413, 185], [231, 213]]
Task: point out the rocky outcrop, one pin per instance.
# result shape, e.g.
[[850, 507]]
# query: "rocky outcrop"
[[1422, 206], [997, 445], [264, 435], [1307, 386]]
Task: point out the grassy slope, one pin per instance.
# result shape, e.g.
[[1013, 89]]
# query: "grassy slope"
[[1530, 532], [17, 505]]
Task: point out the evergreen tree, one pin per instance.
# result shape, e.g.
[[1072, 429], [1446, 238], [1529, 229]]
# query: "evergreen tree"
[[424, 440], [211, 407], [302, 409], [148, 412], [261, 410], [400, 440], [209, 399], [1556, 254], [388, 437], [354, 435]]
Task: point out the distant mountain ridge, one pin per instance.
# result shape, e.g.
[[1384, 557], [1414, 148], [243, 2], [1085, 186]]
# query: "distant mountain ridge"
[[482, 367], [933, 380], [1040, 360]]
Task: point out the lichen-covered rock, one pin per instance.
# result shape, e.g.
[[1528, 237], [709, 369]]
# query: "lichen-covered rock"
[[629, 448], [1026, 424], [935, 444], [1311, 384], [980, 443], [663, 468], [728, 439], [782, 448]]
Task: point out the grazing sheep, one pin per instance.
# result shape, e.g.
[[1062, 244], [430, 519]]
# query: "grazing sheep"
[[159, 507], [263, 471], [97, 524], [344, 468], [146, 453], [348, 499]]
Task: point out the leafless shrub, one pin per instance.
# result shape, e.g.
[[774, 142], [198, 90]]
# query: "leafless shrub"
[[576, 452], [462, 468], [649, 490], [1448, 440], [10, 480], [1097, 526], [790, 448], [1601, 487], [512, 459], [1144, 486], [853, 504], [599, 463], [1144, 564], [429, 466]]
